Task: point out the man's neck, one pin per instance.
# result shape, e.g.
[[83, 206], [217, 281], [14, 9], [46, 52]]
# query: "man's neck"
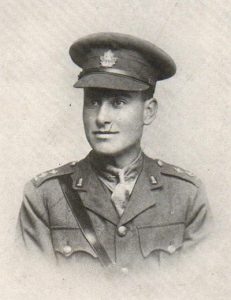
[[126, 159], [121, 160]]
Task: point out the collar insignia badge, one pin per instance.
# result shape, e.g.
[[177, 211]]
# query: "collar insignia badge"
[[108, 59]]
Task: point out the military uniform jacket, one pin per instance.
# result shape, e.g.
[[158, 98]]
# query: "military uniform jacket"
[[167, 214]]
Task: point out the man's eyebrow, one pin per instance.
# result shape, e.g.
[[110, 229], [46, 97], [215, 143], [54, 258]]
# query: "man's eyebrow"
[[121, 94]]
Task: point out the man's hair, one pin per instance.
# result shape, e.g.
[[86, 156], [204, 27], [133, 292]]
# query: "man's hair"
[[148, 94]]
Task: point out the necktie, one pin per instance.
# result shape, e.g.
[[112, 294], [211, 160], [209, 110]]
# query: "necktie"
[[119, 181], [120, 194]]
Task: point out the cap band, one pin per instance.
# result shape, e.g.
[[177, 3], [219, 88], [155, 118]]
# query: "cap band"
[[149, 81]]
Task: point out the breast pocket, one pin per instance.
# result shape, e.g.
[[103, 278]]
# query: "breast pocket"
[[167, 238], [70, 241]]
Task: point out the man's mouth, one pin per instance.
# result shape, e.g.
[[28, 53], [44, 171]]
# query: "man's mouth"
[[101, 132]]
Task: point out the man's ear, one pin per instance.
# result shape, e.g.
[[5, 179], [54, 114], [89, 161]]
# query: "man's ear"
[[150, 110]]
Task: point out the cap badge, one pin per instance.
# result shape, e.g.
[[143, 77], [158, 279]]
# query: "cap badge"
[[108, 59]]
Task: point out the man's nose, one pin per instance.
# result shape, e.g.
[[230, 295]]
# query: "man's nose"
[[104, 115]]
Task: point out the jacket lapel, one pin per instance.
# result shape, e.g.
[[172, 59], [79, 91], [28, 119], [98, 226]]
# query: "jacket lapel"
[[142, 196], [95, 196]]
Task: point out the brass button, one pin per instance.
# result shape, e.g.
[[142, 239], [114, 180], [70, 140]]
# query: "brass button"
[[160, 163], [190, 173], [67, 250], [122, 231], [124, 270], [43, 175], [53, 171], [171, 248]]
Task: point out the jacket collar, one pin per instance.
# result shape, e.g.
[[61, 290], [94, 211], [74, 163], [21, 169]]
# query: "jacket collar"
[[96, 196], [142, 196]]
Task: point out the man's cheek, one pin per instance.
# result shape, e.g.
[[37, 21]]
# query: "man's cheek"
[[134, 124]]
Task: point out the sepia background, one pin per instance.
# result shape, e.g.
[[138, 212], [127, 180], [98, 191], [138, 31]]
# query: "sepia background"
[[41, 126]]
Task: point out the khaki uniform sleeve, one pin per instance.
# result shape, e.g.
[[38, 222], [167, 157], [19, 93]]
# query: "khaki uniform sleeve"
[[198, 219], [33, 230]]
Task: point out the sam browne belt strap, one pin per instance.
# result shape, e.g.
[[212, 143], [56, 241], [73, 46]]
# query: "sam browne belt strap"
[[83, 220]]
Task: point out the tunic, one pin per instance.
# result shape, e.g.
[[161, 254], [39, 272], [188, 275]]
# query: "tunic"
[[167, 214]]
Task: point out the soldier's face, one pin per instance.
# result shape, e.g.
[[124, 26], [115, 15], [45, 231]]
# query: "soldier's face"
[[114, 120]]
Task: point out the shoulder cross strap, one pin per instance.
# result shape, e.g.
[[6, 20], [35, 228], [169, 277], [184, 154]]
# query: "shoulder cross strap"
[[83, 219]]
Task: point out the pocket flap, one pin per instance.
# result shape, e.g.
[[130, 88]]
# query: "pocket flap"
[[167, 238], [70, 240]]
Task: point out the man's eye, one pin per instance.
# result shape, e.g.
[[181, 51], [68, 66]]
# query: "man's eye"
[[118, 102], [92, 102]]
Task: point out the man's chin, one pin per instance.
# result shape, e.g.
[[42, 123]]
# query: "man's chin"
[[106, 152]]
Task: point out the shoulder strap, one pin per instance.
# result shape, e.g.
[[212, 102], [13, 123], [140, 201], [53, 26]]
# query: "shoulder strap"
[[83, 219], [178, 172]]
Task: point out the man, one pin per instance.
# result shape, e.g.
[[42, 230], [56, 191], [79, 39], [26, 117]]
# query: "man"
[[116, 206]]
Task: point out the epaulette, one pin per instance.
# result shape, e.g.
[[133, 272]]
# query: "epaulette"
[[178, 172], [42, 177]]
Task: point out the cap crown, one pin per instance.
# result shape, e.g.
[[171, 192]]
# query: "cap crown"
[[119, 61]]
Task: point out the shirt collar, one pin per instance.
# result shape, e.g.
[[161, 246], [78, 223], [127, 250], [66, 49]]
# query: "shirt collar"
[[105, 169]]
